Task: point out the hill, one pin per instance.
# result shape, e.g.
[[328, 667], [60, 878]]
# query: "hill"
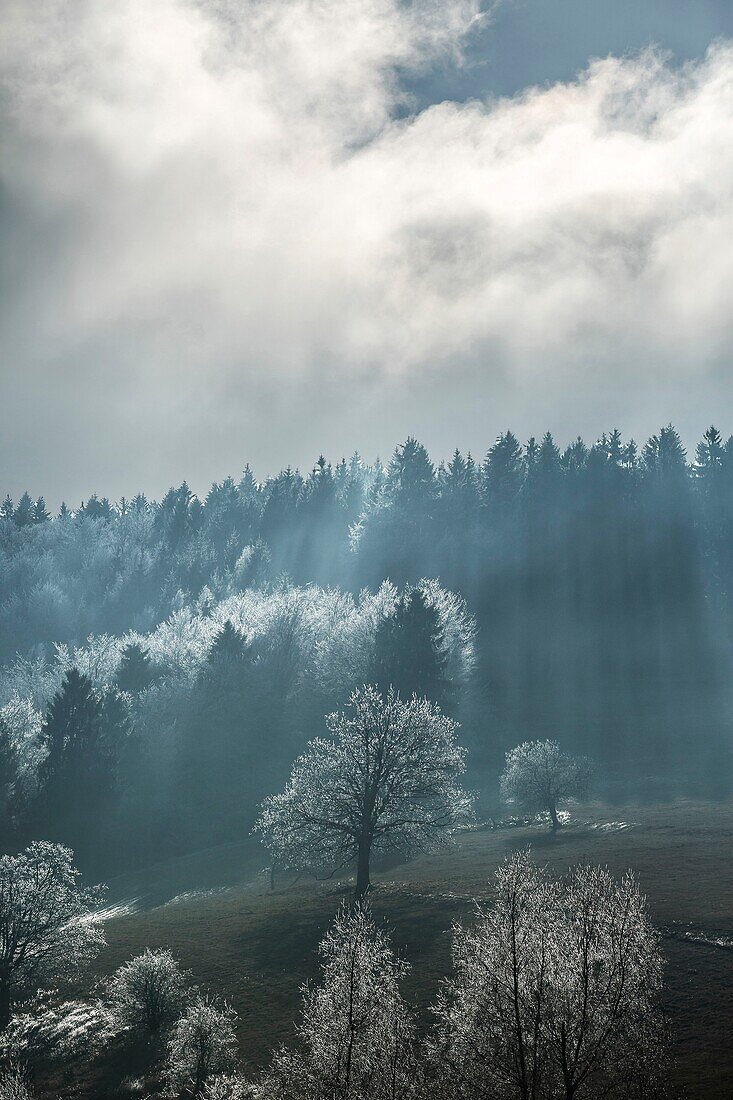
[[254, 946]]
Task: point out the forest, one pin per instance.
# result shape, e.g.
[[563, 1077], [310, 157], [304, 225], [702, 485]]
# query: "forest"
[[165, 662], [338, 674]]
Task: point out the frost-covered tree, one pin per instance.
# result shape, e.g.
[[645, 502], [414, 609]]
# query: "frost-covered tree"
[[387, 777], [356, 1034], [202, 1045], [554, 993], [538, 778], [231, 1086], [47, 924], [148, 993]]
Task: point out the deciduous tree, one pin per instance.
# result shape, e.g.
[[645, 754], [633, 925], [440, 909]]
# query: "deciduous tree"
[[387, 777], [356, 1036], [148, 993], [554, 993], [47, 923], [538, 777], [202, 1045]]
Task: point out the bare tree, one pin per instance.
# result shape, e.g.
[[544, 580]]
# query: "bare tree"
[[356, 1035], [148, 993], [47, 925], [387, 777], [538, 777], [202, 1045], [555, 992]]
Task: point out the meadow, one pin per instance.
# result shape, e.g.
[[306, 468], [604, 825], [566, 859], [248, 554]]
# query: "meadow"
[[255, 946]]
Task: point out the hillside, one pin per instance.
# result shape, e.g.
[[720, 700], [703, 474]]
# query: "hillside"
[[216, 913]]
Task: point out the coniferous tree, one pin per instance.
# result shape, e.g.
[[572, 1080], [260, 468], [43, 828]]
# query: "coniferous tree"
[[10, 793], [409, 651], [24, 511], [228, 645], [411, 482], [40, 512], [76, 776], [503, 473], [136, 671]]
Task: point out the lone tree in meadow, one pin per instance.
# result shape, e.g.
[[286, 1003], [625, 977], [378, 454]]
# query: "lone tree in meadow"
[[47, 926], [538, 778], [387, 777], [555, 992]]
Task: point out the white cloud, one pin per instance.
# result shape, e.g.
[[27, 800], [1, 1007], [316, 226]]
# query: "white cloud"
[[227, 190]]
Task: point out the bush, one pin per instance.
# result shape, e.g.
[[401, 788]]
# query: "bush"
[[230, 1087], [202, 1045], [13, 1085], [148, 993]]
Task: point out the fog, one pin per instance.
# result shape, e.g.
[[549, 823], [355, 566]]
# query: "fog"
[[227, 241]]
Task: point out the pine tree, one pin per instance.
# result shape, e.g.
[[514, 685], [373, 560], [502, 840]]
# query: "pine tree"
[[228, 645], [7, 509], [575, 457], [409, 651], [411, 481], [503, 472], [136, 671], [40, 512], [9, 784], [77, 773], [664, 454], [24, 511], [459, 493], [709, 456]]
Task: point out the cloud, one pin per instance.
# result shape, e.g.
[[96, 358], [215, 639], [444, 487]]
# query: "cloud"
[[212, 201]]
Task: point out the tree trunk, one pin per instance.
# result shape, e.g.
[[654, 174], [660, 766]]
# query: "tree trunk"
[[362, 867], [553, 818], [4, 1004]]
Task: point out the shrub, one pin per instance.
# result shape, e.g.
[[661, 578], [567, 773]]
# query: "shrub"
[[148, 993], [13, 1085], [202, 1045]]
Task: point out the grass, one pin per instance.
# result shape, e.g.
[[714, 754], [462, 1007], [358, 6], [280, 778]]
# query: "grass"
[[256, 948]]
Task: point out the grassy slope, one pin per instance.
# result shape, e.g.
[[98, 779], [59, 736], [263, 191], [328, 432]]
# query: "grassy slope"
[[256, 948]]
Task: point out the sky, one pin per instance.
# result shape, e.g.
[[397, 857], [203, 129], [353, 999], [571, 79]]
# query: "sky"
[[257, 230]]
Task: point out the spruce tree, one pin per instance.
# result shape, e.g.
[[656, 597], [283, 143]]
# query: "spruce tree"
[[9, 784], [136, 671], [409, 651], [24, 511], [228, 645], [503, 472], [411, 481], [40, 513], [77, 774]]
